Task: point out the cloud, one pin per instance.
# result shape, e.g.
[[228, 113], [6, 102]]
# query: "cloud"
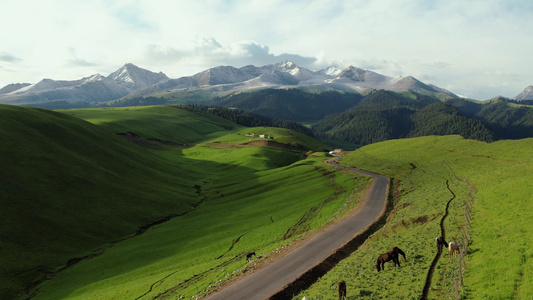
[[454, 41], [76, 61], [7, 57], [208, 52], [132, 17]]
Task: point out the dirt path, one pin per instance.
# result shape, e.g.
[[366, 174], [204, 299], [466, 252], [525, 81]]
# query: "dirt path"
[[287, 275], [429, 277]]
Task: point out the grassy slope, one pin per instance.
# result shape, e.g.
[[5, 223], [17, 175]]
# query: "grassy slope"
[[168, 123], [273, 205], [499, 263], [69, 186]]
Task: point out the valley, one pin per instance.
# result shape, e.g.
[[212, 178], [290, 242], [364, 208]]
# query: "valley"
[[267, 189], [89, 213]]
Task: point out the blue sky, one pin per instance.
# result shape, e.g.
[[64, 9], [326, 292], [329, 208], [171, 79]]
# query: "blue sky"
[[478, 49]]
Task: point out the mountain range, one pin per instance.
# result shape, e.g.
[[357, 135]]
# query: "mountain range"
[[131, 81]]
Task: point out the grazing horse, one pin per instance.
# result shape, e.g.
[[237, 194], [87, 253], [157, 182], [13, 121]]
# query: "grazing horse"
[[453, 249], [440, 242], [341, 288], [249, 255], [391, 255]]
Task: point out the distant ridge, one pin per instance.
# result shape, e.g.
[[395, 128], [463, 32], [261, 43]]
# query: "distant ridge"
[[132, 81], [526, 94], [13, 87], [94, 88]]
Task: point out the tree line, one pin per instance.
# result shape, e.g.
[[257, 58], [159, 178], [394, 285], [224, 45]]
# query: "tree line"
[[249, 119]]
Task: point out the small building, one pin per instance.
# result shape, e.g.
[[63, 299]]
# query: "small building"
[[335, 151], [265, 136]]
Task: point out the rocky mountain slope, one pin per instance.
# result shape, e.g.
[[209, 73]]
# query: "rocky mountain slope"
[[131, 81]]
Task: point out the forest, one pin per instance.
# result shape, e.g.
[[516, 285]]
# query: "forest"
[[383, 115]]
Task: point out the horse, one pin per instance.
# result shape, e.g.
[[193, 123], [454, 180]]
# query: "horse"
[[440, 242], [453, 249], [391, 255], [249, 255], [341, 288]]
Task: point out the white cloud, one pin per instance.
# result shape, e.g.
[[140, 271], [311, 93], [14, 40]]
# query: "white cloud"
[[7, 57], [208, 52], [451, 43]]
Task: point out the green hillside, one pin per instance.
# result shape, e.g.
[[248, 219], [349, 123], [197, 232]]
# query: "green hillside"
[[91, 214], [291, 104], [173, 124], [356, 120], [384, 115], [171, 209], [69, 186], [428, 173]]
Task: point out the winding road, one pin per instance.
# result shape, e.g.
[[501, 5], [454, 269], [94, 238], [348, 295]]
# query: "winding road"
[[274, 277]]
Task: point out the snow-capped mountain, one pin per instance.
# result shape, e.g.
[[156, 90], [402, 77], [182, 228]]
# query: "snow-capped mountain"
[[132, 81], [526, 94], [12, 87], [95, 88], [227, 79], [225, 75], [135, 77]]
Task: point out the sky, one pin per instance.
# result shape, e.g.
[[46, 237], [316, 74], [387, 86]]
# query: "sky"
[[476, 49]]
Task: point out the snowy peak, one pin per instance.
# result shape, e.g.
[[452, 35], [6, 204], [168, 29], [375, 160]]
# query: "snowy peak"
[[364, 76], [353, 73], [288, 67], [526, 94], [332, 71], [226, 75], [130, 80], [13, 87], [93, 78], [136, 77]]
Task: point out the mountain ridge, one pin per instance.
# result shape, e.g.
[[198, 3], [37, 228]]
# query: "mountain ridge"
[[526, 94], [133, 81]]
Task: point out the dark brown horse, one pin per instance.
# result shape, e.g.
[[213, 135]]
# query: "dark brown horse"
[[341, 288], [391, 255], [440, 243], [249, 255]]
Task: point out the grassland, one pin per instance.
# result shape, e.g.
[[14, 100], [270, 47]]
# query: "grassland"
[[425, 172], [75, 189]]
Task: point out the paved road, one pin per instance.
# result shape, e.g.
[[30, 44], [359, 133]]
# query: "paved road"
[[271, 279]]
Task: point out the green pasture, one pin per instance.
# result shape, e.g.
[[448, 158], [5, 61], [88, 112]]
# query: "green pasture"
[[176, 124], [245, 207], [70, 187], [499, 263], [73, 188]]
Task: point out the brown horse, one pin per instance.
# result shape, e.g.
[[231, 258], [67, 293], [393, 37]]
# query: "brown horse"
[[391, 255], [341, 288], [249, 255]]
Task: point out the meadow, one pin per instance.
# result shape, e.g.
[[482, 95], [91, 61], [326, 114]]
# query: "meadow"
[[89, 214], [425, 171], [164, 220]]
